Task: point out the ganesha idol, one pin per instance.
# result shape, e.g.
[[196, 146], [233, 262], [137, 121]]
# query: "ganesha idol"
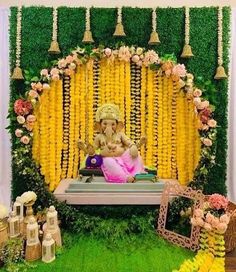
[[119, 158]]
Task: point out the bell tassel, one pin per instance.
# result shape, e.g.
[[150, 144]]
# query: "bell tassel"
[[88, 38], [154, 38], [220, 73], [119, 31], [17, 73], [54, 48], [187, 51]]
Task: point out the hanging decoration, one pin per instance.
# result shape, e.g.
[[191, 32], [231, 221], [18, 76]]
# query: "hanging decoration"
[[88, 38], [187, 50], [54, 47], [119, 31], [154, 37], [220, 71], [17, 73]]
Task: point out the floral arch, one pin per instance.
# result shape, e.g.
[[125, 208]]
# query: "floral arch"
[[156, 97]]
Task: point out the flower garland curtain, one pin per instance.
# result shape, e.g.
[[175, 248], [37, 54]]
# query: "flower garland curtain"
[[150, 104]]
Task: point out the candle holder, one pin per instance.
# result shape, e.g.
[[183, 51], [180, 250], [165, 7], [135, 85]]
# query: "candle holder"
[[3, 231], [29, 214]]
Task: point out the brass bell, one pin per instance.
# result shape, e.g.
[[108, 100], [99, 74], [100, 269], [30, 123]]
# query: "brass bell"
[[187, 51], [119, 31], [88, 37], [17, 73], [154, 38], [54, 48], [220, 73]]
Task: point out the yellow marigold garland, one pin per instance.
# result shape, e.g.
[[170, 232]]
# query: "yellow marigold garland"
[[127, 96], [159, 126], [143, 108]]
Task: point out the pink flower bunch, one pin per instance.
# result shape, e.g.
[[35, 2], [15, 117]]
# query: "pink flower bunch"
[[124, 53], [179, 70], [22, 107], [150, 57], [218, 202], [213, 216]]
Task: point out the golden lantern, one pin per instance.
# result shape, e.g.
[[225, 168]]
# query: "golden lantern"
[[48, 249]]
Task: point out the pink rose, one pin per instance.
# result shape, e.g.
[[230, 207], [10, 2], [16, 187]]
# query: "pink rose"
[[22, 107], [33, 94], [69, 59], [139, 63], [198, 213], [31, 118], [221, 227], [207, 226], [209, 218], [62, 63], [44, 72], [25, 139], [18, 133], [212, 123], [54, 71], [46, 86], [197, 92], [224, 219], [135, 58], [217, 201], [107, 52], [179, 70], [207, 142]]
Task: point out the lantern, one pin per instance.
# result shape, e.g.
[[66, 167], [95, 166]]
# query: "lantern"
[[48, 249], [51, 226], [33, 246], [18, 207], [14, 225]]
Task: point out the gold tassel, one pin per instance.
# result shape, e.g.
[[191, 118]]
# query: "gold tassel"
[[187, 51], [17, 73], [88, 37], [119, 31], [220, 73], [154, 38], [54, 48]]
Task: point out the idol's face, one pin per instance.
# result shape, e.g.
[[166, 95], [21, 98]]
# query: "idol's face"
[[108, 125]]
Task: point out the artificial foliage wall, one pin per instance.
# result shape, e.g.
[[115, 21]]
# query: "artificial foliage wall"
[[36, 38]]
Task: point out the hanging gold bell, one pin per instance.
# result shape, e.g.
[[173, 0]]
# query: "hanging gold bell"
[[220, 73], [17, 73], [187, 51], [119, 31], [54, 48], [154, 38], [88, 38]]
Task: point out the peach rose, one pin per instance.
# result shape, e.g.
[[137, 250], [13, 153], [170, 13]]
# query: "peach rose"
[[107, 52], [25, 139], [31, 118], [135, 58], [18, 133], [199, 221], [39, 86], [205, 127], [224, 219], [221, 227], [44, 72], [209, 218], [33, 94], [198, 213], [207, 142], [46, 86], [69, 59], [55, 77], [215, 222], [207, 226], [193, 222], [72, 66], [197, 92], [20, 119], [54, 71], [212, 123], [196, 100], [62, 63], [204, 104]]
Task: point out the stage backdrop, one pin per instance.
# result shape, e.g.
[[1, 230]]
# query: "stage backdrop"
[[36, 38]]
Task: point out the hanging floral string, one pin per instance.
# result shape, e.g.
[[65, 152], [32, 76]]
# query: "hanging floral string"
[[187, 50], [88, 38], [17, 73], [154, 38], [119, 31], [54, 47], [220, 72]]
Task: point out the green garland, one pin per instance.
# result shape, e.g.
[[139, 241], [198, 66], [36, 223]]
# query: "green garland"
[[36, 38]]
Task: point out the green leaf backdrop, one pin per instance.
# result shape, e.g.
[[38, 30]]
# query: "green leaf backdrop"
[[36, 38]]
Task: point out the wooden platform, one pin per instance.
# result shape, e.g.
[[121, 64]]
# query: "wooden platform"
[[100, 192]]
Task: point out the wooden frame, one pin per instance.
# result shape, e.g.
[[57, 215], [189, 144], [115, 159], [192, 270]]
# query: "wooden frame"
[[182, 191]]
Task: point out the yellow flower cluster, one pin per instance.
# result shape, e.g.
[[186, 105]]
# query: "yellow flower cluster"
[[143, 107], [210, 257], [127, 96]]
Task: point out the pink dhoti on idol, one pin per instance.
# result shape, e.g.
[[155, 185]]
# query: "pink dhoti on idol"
[[118, 169]]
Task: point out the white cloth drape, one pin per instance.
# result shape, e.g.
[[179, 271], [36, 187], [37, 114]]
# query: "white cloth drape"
[[231, 171], [5, 154]]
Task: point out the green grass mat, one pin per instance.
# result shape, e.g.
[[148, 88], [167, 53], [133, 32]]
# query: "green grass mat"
[[144, 253]]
